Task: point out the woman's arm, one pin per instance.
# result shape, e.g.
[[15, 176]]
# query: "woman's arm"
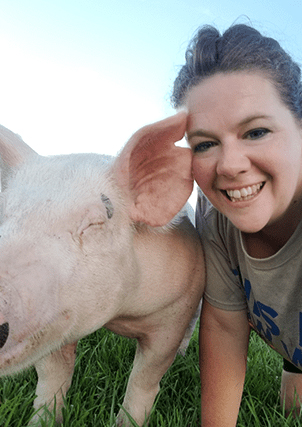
[[224, 337]]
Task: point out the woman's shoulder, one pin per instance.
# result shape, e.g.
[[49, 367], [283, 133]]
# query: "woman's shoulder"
[[208, 218]]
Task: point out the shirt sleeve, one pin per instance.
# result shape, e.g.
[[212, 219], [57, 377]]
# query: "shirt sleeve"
[[223, 287]]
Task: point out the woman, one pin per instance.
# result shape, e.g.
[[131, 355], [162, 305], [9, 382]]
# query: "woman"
[[243, 95]]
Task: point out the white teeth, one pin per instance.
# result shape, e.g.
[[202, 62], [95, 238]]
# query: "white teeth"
[[244, 193]]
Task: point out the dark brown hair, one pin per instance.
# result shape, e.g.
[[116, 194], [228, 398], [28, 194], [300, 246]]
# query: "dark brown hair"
[[240, 48]]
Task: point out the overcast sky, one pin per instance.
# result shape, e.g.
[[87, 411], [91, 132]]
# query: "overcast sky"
[[83, 75]]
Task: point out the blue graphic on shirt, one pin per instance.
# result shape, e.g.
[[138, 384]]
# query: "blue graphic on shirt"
[[263, 319], [265, 315]]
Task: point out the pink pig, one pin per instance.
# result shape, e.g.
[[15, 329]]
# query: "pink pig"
[[87, 241]]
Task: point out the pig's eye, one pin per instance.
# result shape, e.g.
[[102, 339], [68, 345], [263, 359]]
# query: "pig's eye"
[[88, 224], [93, 226]]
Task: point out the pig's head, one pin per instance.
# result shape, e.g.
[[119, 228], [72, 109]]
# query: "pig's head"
[[66, 234]]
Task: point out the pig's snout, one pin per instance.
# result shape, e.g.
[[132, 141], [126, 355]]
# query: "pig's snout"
[[4, 331]]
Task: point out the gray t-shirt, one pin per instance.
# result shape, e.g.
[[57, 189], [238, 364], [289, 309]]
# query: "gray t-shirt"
[[270, 288]]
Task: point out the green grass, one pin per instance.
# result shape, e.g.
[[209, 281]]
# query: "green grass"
[[103, 365]]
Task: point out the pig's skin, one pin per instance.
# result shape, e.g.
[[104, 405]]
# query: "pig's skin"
[[77, 252]]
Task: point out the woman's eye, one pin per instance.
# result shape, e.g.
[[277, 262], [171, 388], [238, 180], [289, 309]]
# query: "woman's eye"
[[203, 146], [256, 133]]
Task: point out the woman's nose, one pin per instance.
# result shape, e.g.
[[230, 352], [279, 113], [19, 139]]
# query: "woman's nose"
[[232, 161]]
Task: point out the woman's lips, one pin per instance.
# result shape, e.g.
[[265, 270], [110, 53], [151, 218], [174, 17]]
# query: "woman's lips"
[[244, 193]]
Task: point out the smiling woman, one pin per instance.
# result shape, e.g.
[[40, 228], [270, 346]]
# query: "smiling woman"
[[243, 95], [247, 144]]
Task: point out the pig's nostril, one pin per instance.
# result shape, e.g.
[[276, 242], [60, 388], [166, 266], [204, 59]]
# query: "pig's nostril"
[[4, 331]]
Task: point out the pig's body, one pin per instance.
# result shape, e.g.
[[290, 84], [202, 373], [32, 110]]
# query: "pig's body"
[[73, 259]]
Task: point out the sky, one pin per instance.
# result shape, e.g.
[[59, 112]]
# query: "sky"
[[84, 75]]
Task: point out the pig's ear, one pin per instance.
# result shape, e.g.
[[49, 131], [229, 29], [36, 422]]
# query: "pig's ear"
[[155, 174], [13, 151]]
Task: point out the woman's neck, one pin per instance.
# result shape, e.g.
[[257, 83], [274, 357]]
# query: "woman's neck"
[[268, 241]]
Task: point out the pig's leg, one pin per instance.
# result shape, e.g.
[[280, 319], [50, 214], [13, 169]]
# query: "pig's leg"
[[54, 378], [153, 357]]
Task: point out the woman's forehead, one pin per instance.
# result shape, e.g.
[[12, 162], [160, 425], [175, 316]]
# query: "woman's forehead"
[[239, 95]]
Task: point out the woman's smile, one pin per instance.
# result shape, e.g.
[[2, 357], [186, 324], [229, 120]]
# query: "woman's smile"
[[243, 194]]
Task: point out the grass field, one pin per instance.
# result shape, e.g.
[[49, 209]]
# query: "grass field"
[[102, 368]]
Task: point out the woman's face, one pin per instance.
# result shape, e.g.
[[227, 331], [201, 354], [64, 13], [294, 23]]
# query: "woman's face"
[[247, 149]]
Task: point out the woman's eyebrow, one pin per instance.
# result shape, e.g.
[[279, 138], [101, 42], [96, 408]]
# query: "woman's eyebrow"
[[250, 119], [245, 121], [200, 133]]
